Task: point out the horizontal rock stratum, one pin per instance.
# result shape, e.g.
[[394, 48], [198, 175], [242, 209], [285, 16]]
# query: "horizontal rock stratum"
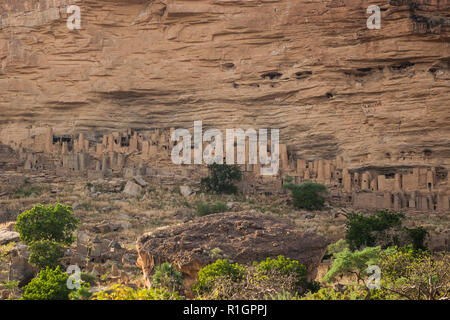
[[310, 68], [240, 237]]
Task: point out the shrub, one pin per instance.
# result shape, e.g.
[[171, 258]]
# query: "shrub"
[[121, 292], [313, 286], [166, 276], [309, 196], [279, 278], [383, 228], [81, 294], [349, 293], [50, 284], [53, 222], [283, 295], [221, 178], [412, 275], [285, 267], [11, 284], [208, 275], [45, 253], [89, 278], [204, 209]]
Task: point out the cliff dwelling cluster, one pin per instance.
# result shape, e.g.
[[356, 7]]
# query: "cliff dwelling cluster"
[[147, 153]]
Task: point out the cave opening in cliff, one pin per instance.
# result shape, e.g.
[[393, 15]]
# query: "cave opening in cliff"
[[271, 75], [402, 66], [427, 153], [124, 142]]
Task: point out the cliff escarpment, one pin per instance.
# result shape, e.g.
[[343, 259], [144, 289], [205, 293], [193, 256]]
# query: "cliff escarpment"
[[310, 68]]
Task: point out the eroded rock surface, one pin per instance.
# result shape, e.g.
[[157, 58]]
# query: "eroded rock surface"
[[241, 237]]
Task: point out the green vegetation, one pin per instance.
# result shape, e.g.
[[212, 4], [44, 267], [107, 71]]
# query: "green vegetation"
[[286, 267], [309, 196], [45, 253], [166, 276], [204, 209], [406, 273], [414, 275], [382, 229], [53, 222], [221, 178], [348, 293], [208, 275], [46, 229], [121, 292], [81, 294], [356, 262], [417, 237], [10, 284], [89, 278], [50, 284], [280, 278]]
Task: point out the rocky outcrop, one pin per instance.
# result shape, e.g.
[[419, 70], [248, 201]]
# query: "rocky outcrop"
[[15, 265], [7, 236], [241, 237]]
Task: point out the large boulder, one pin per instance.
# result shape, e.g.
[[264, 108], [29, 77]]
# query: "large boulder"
[[132, 189], [7, 236], [240, 237]]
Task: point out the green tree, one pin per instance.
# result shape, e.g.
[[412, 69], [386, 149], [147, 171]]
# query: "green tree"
[[221, 178], [417, 237], [45, 253], [384, 229], [415, 275], [52, 222], [352, 262], [309, 195], [50, 284]]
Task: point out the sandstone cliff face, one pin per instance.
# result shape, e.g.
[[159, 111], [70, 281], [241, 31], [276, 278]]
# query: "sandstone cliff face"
[[310, 68]]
